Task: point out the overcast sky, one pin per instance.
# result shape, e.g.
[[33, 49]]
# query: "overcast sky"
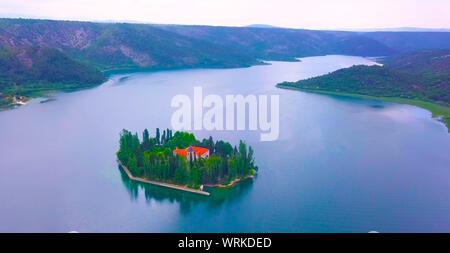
[[310, 14]]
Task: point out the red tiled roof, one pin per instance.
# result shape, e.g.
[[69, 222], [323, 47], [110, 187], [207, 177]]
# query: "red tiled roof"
[[198, 151], [180, 151]]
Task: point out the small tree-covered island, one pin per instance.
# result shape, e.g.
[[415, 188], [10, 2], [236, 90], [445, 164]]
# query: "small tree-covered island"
[[180, 159]]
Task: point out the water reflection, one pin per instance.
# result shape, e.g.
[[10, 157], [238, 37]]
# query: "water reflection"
[[372, 103], [186, 200], [231, 195]]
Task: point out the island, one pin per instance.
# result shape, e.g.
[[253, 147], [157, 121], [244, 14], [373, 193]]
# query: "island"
[[420, 78], [180, 161]]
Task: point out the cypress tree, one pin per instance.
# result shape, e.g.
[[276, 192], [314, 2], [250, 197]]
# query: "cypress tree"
[[157, 136]]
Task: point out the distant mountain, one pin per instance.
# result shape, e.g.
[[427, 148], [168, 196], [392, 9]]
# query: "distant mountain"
[[419, 29], [398, 29], [262, 26], [411, 41]]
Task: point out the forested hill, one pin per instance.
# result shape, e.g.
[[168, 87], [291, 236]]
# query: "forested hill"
[[284, 44], [403, 42], [76, 53], [419, 76], [32, 68], [39, 55], [434, 62]]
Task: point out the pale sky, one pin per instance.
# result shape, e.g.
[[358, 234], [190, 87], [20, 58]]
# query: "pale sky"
[[309, 14]]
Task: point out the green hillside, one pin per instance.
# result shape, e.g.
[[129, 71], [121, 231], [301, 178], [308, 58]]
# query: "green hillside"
[[284, 44], [420, 78], [27, 70]]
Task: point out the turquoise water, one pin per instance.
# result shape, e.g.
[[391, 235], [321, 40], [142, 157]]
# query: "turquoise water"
[[339, 165]]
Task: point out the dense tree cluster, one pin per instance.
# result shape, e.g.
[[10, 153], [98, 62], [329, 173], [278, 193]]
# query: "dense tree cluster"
[[380, 82], [153, 158], [49, 69]]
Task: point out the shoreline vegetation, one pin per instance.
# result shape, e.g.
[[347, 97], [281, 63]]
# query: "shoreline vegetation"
[[173, 186], [439, 112], [8, 101], [180, 161], [419, 78], [11, 99], [183, 187], [15, 101]]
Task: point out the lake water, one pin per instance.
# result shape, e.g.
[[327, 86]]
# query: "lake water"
[[340, 164]]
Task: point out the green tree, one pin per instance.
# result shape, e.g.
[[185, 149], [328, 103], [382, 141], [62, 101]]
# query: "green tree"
[[145, 137], [157, 162], [157, 136]]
